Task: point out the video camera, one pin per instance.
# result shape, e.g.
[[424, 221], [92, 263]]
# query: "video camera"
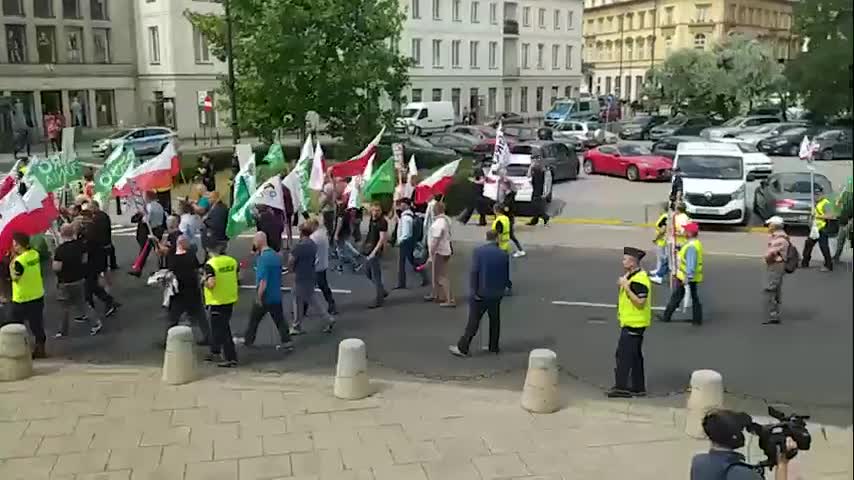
[[772, 437]]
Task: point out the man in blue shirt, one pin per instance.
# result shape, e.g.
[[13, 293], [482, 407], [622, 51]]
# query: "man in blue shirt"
[[302, 264], [488, 279], [268, 298], [689, 275]]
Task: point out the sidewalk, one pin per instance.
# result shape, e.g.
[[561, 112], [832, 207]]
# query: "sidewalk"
[[78, 422]]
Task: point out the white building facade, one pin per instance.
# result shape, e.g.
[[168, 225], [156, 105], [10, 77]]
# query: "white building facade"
[[492, 56]]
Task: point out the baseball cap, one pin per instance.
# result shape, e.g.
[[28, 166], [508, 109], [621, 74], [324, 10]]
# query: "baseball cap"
[[691, 227], [775, 220]]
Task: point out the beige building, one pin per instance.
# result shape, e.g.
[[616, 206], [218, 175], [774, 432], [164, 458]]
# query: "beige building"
[[623, 39]]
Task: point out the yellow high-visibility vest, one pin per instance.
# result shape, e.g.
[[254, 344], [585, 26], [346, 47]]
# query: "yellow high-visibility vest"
[[661, 230], [629, 314], [681, 273], [820, 208], [504, 236], [28, 286], [225, 289]]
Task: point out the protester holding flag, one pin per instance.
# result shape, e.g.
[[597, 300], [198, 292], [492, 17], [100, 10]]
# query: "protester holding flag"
[[69, 263], [372, 248], [151, 215], [271, 221], [28, 290], [96, 261]]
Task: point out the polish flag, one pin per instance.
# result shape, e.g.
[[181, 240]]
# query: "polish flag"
[[356, 165], [10, 180], [31, 213], [153, 174], [437, 183]]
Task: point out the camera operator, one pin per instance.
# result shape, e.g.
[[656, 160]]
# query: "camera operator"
[[725, 429]]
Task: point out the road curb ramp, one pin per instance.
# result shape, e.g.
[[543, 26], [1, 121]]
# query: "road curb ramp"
[[707, 393]]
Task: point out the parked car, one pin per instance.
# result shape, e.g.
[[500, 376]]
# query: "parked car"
[[522, 133], [832, 144], [507, 118], [517, 173], [757, 164], [458, 142], [426, 154], [788, 195], [638, 128], [480, 132], [557, 157], [666, 147], [738, 125], [754, 135], [143, 140], [583, 132], [635, 162], [680, 126], [788, 142]]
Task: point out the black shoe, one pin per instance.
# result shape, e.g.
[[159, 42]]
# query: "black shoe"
[[332, 311], [203, 342], [662, 318], [531, 223], [697, 323], [227, 364], [546, 220], [135, 273], [399, 287], [618, 393], [39, 352], [375, 305], [638, 393], [213, 357], [771, 322], [111, 310], [385, 293]]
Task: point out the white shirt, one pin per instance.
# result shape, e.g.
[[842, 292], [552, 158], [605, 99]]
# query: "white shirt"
[[428, 218], [440, 235], [321, 262], [404, 228]]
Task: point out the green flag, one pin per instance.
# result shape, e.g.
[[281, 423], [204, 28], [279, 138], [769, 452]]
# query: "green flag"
[[272, 164], [119, 162], [239, 215], [54, 173], [381, 181]]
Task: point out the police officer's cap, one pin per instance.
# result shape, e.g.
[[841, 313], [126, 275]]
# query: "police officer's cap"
[[634, 252]]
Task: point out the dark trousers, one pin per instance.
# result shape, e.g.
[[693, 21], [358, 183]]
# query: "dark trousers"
[[94, 289], [111, 256], [406, 254], [220, 318], [630, 361], [276, 312], [374, 271], [513, 235], [676, 298], [329, 223], [476, 204], [192, 306], [31, 314], [477, 307], [823, 245], [539, 206], [323, 285]]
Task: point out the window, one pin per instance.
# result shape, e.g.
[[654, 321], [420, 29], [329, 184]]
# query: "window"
[[493, 13], [540, 51], [101, 38], [416, 52], [523, 99], [16, 43], [42, 8], [201, 48], [491, 100], [555, 57], [437, 53], [702, 13], [13, 8], [608, 85], [641, 20], [617, 86], [541, 18], [105, 107], [539, 99], [474, 11], [508, 98], [71, 9], [668, 16], [455, 53], [455, 101], [416, 9], [437, 95], [639, 52], [700, 41], [416, 94], [74, 44], [473, 46], [455, 11], [153, 45], [568, 57], [437, 9], [668, 44], [46, 44], [525, 55], [554, 95], [742, 14], [493, 54], [557, 20], [526, 16], [570, 20], [79, 107], [630, 50], [98, 9]]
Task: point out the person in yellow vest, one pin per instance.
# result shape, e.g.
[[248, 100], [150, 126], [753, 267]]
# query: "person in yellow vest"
[[28, 290], [823, 216], [660, 242], [501, 226], [675, 238], [689, 274], [634, 312], [221, 293]]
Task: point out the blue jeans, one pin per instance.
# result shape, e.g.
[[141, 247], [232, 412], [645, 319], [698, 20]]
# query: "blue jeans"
[[374, 272]]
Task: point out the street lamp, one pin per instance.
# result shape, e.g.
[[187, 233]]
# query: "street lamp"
[[229, 51]]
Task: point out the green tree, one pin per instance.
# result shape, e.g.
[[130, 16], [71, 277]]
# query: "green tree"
[[337, 58], [822, 74], [750, 70]]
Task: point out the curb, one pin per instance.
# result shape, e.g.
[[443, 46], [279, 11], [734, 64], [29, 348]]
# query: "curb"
[[626, 223]]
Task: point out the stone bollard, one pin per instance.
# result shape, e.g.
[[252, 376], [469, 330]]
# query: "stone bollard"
[[707, 393], [351, 374], [179, 361], [540, 393], [16, 356]]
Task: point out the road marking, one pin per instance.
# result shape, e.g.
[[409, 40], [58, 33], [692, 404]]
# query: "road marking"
[[590, 304], [288, 289]]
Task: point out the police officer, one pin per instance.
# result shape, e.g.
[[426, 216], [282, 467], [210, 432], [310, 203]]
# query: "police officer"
[[689, 274], [634, 312], [221, 293], [821, 215], [28, 290]]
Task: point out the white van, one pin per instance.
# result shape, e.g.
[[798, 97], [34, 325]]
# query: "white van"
[[419, 118], [714, 181]]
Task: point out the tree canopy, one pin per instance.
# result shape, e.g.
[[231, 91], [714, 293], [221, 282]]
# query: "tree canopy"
[[337, 58]]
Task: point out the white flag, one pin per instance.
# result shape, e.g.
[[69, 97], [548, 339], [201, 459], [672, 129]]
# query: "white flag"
[[412, 169], [247, 172], [369, 170], [269, 193], [315, 182], [501, 154], [804, 152], [292, 183], [353, 191]]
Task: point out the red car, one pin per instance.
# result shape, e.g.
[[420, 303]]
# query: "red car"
[[631, 161]]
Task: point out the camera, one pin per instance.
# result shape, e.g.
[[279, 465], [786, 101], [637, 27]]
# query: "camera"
[[772, 437]]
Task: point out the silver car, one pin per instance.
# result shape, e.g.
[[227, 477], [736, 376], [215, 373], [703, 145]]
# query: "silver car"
[[143, 140], [757, 134], [737, 125]]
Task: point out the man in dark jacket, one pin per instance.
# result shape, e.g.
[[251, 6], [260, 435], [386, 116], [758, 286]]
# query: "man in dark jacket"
[[538, 185], [489, 276], [215, 223]]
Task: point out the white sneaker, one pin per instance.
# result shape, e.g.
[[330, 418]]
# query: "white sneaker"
[[520, 253], [238, 340], [655, 280]]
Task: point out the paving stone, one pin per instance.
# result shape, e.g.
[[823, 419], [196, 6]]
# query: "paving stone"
[[73, 443], [175, 399], [309, 422], [500, 466], [460, 448], [414, 452], [318, 462], [163, 472], [19, 447], [262, 427], [139, 458], [400, 472], [361, 474], [451, 470], [193, 417], [215, 431], [115, 475], [336, 438], [92, 461], [31, 468], [12, 431], [388, 434], [243, 447], [113, 437], [265, 468], [193, 452], [165, 436], [52, 427], [217, 470], [287, 443], [366, 456]]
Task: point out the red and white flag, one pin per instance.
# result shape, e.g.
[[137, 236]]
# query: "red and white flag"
[[153, 174], [437, 183], [31, 213], [356, 165]]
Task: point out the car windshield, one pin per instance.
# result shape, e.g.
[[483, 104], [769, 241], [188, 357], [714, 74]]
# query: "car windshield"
[[800, 183], [561, 107], [524, 149], [794, 131], [733, 122], [710, 166], [119, 134], [768, 127], [419, 142], [520, 132], [676, 122], [409, 112], [829, 134], [517, 170], [747, 148], [633, 150]]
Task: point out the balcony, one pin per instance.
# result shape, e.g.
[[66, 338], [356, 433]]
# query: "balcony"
[[511, 27], [512, 71]]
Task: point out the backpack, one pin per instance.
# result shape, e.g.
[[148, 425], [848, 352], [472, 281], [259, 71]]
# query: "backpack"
[[793, 258], [417, 226], [744, 465]]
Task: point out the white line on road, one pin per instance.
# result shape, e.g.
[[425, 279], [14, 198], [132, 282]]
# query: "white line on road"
[[288, 289], [589, 304]]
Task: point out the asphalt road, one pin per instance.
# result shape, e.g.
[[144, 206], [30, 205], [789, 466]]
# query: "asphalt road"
[[805, 361]]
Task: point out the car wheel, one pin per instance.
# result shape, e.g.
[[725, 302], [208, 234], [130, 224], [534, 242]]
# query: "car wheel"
[[827, 154], [746, 220], [632, 173], [644, 135], [588, 167], [794, 151]]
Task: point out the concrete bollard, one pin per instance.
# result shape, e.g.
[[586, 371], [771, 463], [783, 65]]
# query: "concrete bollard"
[[179, 361], [707, 393], [351, 373], [540, 393], [16, 356]]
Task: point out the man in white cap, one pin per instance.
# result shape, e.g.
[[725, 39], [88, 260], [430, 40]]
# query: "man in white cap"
[[775, 268]]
